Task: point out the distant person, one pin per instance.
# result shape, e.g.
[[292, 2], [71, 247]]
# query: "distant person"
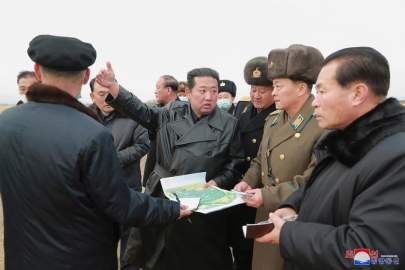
[[351, 213], [62, 188], [250, 125], [284, 160], [130, 139], [165, 94], [191, 137], [166, 90], [226, 95], [182, 91], [24, 80]]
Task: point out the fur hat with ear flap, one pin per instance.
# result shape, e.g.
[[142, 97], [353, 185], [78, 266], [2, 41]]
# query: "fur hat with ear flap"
[[255, 71], [298, 62]]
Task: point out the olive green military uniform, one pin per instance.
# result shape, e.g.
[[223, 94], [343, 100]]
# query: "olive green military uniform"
[[283, 163]]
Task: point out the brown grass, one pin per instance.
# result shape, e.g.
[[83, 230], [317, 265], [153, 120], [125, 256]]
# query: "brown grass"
[[4, 107]]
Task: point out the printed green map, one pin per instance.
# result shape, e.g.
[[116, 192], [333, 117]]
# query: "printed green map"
[[209, 197]]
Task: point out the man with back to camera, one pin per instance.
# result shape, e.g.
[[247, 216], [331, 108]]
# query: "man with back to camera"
[[61, 185]]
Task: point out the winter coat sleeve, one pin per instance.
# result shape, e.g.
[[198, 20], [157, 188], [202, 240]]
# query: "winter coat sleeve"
[[294, 200], [376, 221], [137, 150], [102, 178], [135, 109]]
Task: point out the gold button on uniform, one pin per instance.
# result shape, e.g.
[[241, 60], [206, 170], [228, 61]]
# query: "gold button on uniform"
[[282, 156], [277, 180], [297, 135], [268, 153], [254, 141], [248, 158], [262, 174]]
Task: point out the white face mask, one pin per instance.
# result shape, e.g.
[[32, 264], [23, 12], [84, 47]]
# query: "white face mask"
[[224, 104], [183, 98]]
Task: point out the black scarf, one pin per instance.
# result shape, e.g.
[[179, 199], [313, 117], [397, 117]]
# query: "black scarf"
[[352, 143]]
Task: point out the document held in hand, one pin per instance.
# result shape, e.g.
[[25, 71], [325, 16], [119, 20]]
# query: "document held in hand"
[[259, 229]]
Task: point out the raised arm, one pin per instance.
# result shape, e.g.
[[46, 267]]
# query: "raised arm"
[[125, 101]]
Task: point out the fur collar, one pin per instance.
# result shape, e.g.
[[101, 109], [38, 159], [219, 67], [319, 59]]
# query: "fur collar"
[[44, 93], [351, 144]]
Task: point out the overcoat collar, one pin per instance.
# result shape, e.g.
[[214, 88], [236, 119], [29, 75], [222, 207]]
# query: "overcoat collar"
[[253, 120], [285, 130], [44, 93], [352, 143], [191, 132]]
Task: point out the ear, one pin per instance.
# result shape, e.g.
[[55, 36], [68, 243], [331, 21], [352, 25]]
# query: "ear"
[[359, 93], [37, 71], [92, 96], [86, 76], [302, 89]]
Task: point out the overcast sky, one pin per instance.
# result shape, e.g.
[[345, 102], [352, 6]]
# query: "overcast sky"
[[146, 39]]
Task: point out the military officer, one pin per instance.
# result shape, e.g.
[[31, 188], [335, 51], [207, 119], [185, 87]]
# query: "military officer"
[[251, 123], [226, 96], [284, 160]]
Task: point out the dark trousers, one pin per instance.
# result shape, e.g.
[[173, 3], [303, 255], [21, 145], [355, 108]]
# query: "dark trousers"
[[242, 248]]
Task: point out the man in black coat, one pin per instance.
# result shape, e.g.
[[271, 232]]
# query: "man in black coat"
[[351, 212], [191, 137], [61, 184]]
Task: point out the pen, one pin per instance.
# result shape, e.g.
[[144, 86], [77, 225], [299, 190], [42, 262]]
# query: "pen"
[[177, 197], [178, 200]]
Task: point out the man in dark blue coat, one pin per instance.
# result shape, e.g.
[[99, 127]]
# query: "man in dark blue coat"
[[351, 212], [61, 184]]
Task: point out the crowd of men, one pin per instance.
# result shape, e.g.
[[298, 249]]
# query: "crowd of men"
[[326, 169]]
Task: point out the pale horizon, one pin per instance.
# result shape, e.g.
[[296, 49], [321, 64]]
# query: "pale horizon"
[[145, 40]]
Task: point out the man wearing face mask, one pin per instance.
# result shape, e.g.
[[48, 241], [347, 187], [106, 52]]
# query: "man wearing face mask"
[[182, 91], [227, 93]]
